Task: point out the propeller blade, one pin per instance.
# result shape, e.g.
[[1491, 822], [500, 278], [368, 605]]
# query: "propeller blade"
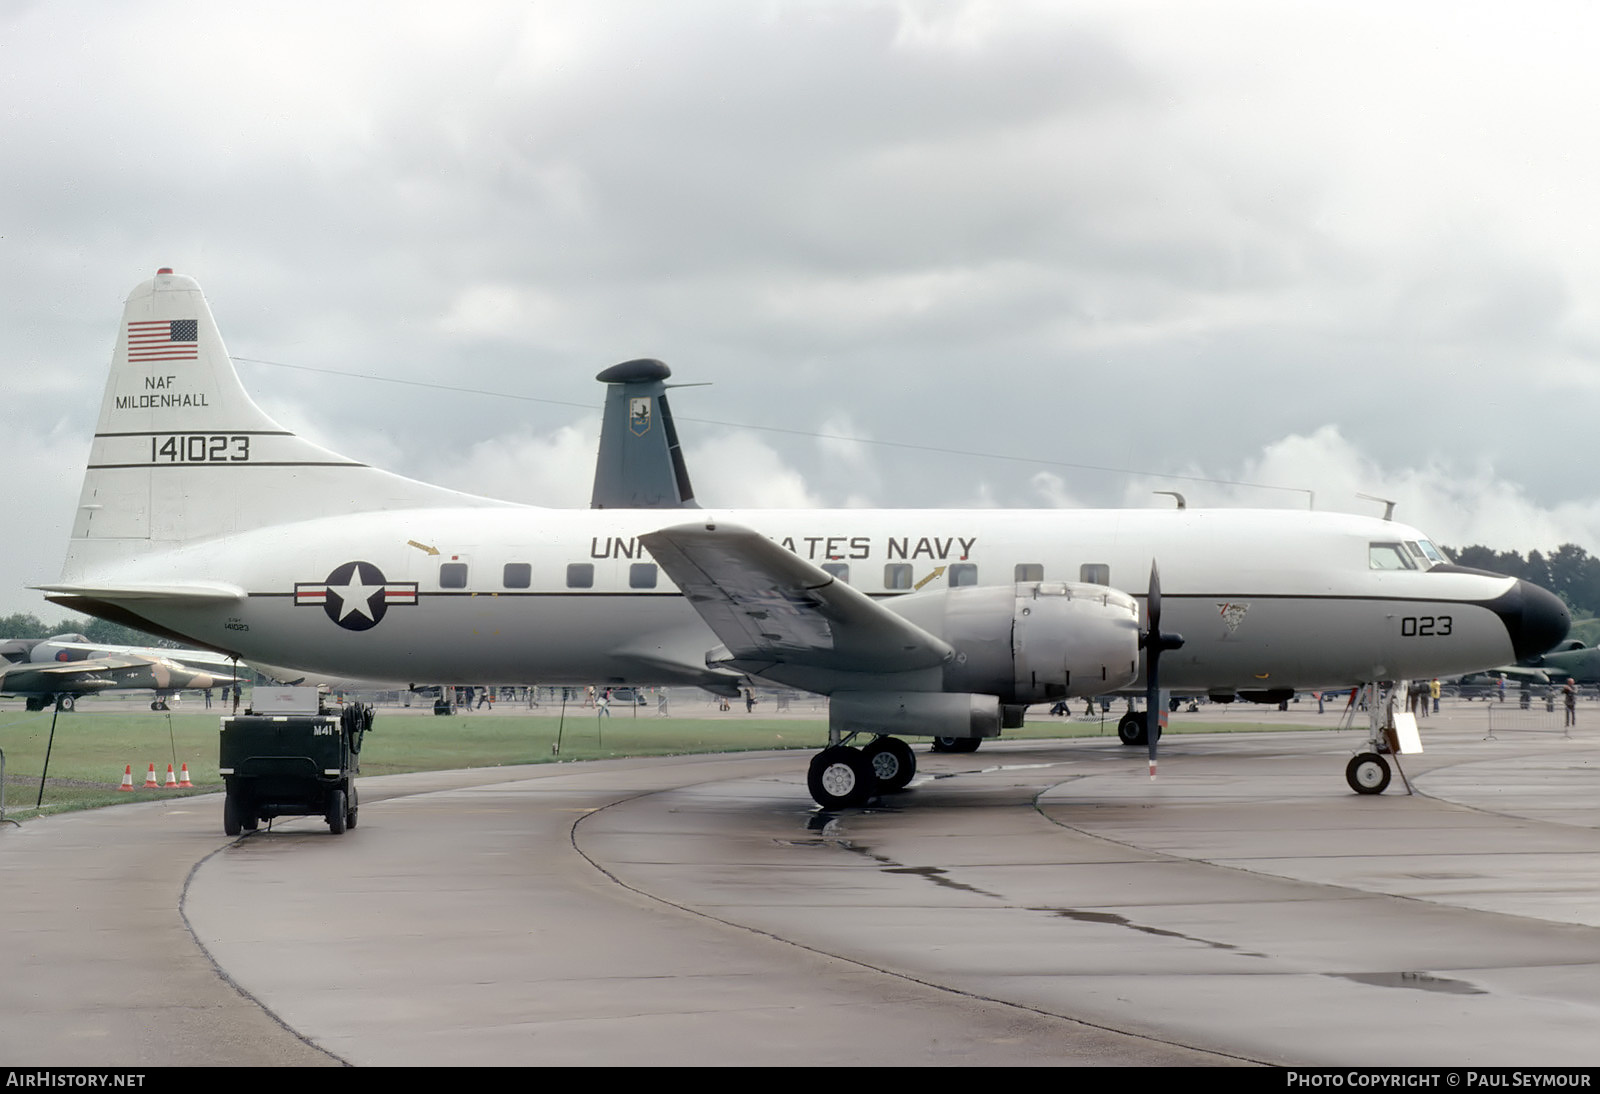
[[1155, 643]]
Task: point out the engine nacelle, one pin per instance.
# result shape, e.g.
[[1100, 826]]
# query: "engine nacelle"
[[1034, 642], [915, 713]]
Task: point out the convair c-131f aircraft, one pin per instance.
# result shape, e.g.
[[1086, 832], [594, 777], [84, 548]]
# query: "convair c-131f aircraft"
[[202, 518]]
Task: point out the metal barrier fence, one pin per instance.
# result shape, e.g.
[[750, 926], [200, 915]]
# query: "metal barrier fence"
[[1535, 710]]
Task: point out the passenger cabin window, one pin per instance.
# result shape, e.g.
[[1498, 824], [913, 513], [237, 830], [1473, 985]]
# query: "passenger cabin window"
[[453, 575], [897, 575], [1030, 571], [963, 573], [840, 570], [1388, 556], [518, 575], [642, 575], [580, 575], [1095, 573]]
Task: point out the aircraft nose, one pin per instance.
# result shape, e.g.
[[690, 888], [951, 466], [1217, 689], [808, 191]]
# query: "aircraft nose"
[[1535, 618]]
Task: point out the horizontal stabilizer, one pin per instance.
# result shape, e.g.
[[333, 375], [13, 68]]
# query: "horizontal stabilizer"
[[198, 592]]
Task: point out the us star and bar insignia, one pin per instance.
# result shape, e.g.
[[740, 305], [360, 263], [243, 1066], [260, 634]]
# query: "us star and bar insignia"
[[356, 595]]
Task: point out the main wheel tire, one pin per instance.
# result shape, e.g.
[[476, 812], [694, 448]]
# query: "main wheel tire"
[[841, 778], [893, 762], [232, 815], [1131, 729], [65, 702], [1367, 773], [336, 812]]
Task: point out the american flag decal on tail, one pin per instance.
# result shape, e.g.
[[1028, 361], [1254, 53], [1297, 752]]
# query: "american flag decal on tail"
[[163, 340]]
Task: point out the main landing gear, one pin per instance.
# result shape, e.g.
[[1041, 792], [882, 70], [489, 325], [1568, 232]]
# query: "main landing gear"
[[841, 776], [1132, 729]]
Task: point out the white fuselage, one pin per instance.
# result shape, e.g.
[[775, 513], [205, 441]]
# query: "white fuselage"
[[1266, 600]]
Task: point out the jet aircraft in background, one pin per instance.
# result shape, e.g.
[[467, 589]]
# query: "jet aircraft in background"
[[1570, 660], [61, 669], [915, 622]]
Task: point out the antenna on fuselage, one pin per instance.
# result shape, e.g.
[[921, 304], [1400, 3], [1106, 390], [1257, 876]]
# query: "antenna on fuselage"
[[1388, 506], [1182, 504]]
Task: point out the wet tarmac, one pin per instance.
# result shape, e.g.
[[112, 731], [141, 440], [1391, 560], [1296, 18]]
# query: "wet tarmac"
[[1033, 903]]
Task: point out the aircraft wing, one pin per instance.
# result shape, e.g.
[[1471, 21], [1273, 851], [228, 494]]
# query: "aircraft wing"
[[189, 659], [73, 676], [769, 606]]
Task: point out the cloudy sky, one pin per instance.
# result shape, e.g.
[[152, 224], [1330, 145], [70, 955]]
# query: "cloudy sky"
[[942, 254]]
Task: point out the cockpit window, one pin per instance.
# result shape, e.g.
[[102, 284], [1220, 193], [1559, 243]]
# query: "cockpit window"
[[1433, 552], [1388, 556]]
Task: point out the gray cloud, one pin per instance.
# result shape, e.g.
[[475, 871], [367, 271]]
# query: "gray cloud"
[[1155, 235]]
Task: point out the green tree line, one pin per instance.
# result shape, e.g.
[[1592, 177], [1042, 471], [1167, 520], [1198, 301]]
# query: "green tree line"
[[1569, 571], [27, 625]]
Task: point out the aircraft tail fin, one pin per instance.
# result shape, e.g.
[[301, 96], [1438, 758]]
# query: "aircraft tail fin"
[[640, 464], [181, 453]]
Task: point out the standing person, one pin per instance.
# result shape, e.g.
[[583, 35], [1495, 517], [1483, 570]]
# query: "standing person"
[[603, 704], [749, 700], [1569, 696], [1433, 689]]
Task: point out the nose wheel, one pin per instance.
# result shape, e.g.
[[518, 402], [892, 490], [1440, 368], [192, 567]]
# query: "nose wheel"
[[1367, 773]]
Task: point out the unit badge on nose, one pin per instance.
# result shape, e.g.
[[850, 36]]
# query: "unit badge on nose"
[[356, 595], [1232, 614]]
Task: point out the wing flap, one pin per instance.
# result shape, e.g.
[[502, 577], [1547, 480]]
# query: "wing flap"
[[769, 606]]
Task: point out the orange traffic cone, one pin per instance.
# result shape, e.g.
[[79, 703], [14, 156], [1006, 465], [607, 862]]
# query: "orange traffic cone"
[[127, 778], [172, 780], [183, 779], [150, 779]]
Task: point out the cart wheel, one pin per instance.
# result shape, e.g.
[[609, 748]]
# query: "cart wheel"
[[336, 812], [232, 816], [355, 806]]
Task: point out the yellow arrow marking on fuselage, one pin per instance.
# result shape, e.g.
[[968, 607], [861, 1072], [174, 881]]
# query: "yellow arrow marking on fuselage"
[[423, 547], [937, 570]]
